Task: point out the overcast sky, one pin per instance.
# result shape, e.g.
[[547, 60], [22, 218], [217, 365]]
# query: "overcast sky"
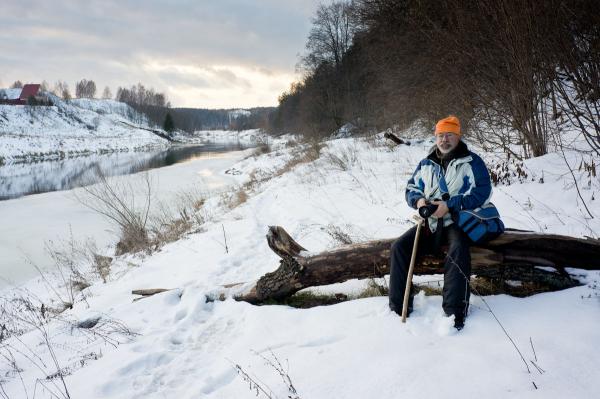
[[201, 53]]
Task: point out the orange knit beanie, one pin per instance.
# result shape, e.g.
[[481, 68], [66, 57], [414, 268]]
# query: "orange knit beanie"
[[450, 124]]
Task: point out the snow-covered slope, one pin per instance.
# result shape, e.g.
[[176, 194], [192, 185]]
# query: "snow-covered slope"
[[71, 128], [177, 345], [251, 136]]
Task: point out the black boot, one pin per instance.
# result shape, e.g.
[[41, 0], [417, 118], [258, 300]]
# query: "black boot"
[[459, 321], [411, 298]]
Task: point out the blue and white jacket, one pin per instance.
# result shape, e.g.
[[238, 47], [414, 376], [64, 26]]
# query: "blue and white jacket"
[[467, 182]]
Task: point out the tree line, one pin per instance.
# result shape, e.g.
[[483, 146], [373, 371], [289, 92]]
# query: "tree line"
[[515, 71], [192, 119], [83, 89], [149, 105]]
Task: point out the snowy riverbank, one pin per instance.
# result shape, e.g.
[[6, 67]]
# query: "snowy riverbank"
[[71, 128], [177, 345]]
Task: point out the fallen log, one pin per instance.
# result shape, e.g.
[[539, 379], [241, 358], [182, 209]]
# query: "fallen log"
[[148, 292], [395, 139], [516, 255]]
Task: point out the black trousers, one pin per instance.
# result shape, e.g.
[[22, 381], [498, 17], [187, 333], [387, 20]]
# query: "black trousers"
[[457, 268]]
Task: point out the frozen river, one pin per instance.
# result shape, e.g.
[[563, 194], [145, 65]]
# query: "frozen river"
[[30, 221], [22, 179]]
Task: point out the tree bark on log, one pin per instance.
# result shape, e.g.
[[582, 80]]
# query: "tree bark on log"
[[512, 256]]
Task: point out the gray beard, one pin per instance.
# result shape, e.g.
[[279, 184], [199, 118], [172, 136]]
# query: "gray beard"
[[444, 155]]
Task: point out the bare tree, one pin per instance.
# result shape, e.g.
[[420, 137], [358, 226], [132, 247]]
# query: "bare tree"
[[85, 89], [61, 89], [514, 71], [16, 85], [509, 73], [145, 102], [44, 86], [66, 94], [139, 95], [331, 35], [107, 94], [576, 80]]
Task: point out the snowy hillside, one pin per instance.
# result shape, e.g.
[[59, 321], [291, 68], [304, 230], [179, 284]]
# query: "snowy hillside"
[[177, 345], [71, 128]]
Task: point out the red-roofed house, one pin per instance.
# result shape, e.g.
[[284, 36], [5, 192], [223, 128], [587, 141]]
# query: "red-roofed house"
[[28, 90]]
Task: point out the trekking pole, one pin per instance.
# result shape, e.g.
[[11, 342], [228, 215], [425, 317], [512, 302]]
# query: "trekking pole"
[[419, 220]]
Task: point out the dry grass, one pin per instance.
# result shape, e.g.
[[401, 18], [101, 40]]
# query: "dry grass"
[[239, 197], [303, 153], [73, 270], [429, 290], [338, 235], [127, 204], [124, 203], [132, 239], [345, 159], [307, 299], [172, 221], [102, 266], [22, 312], [373, 289], [262, 148]]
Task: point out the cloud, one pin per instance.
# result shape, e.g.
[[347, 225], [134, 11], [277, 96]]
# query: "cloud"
[[204, 45], [220, 86]]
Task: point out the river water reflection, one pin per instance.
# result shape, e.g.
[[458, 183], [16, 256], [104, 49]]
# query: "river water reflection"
[[17, 180]]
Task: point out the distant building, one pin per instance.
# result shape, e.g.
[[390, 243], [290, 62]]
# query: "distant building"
[[9, 94], [13, 97], [28, 91]]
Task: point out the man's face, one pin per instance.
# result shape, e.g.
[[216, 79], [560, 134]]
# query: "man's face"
[[446, 142]]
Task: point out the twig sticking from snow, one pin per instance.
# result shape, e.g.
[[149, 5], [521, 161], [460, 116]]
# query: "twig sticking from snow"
[[276, 364], [538, 368], [253, 385], [225, 237], [574, 179], [10, 357], [534, 363], [532, 348], [3, 392], [523, 208], [260, 387], [493, 314]]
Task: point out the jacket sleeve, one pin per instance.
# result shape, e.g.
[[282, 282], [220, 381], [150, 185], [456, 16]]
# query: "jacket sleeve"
[[480, 192], [415, 188]]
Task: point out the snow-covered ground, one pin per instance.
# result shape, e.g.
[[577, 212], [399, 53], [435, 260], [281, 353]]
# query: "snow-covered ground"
[[71, 128], [178, 345]]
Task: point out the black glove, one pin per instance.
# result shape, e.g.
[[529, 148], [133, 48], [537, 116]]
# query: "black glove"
[[427, 210]]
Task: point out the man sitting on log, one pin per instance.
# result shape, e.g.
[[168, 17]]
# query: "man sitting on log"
[[452, 178]]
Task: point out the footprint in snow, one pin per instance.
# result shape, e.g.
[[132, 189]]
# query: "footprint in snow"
[[219, 381], [145, 364], [181, 314]]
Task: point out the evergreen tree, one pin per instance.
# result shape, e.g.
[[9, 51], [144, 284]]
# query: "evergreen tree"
[[168, 125]]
